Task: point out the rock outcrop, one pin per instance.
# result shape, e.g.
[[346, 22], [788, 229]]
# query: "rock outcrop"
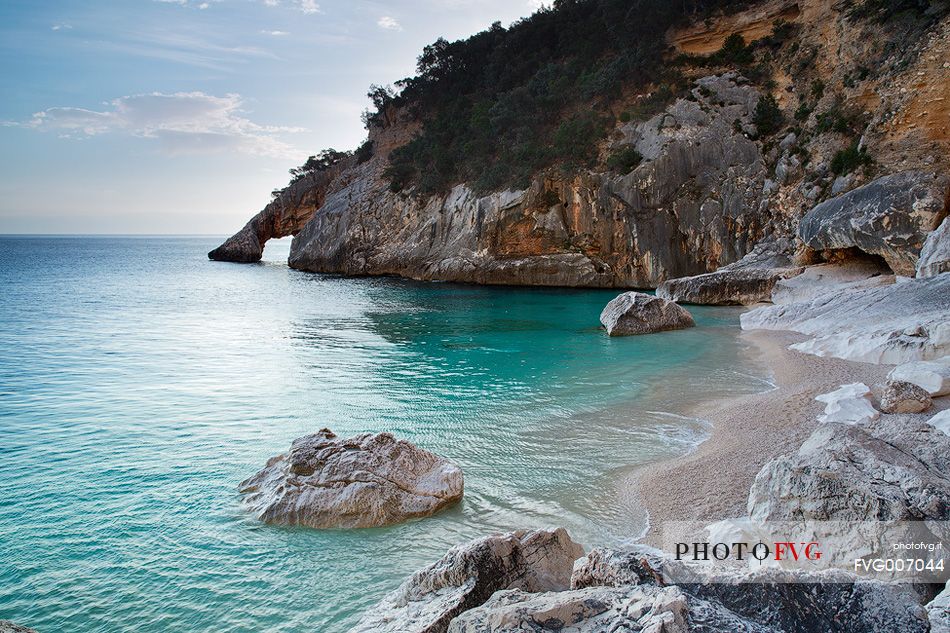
[[639, 313], [938, 612], [883, 472], [290, 210], [469, 574], [771, 598], [694, 204], [889, 217], [642, 589], [892, 324], [941, 421], [745, 282], [935, 255], [850, 404], [904, 397], [933, 377], [364, 481], [9, 627], [829, 279]]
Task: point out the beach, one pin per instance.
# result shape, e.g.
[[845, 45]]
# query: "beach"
[[712, 482]]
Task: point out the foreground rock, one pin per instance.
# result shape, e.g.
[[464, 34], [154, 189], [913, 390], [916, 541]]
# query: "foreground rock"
[[935, 255], [933, 377], [938, 612], [892, 324], [768, 599], [745, 282], [9, 627], [850, 404], [469, 574], [642, 589], [887, 471], [904, 397], [890, 217], [365, 481], [941, 422], [640, 313]]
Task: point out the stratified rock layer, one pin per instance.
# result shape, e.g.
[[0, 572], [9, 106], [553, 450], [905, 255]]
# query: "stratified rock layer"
[[896, 323], [745, 282], [639, 313], [469, 574], [365, 481], [889, 217]]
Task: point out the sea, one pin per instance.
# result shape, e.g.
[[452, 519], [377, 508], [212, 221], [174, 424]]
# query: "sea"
[[141, 382]]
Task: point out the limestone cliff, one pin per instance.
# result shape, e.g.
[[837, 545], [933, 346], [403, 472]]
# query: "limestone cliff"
[[709, 187]]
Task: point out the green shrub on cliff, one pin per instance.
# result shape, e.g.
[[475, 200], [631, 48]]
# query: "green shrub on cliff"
[[503, 104], [767, 117], [624, 159]]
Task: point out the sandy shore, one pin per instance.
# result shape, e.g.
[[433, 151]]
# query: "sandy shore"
[[712, 483]]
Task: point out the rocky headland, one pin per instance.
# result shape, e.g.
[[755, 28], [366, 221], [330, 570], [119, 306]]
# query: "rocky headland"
[[797, 165]]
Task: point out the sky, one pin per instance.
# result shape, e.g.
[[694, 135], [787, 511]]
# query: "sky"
[[181, 116]]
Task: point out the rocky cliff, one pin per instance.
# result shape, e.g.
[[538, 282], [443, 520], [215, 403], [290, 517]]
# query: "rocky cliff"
[[717, 175]]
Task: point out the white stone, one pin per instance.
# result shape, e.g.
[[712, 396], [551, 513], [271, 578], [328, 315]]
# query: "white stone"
[[850, 404], [941, 421], [891, 324], [935, 255], [933, 377]]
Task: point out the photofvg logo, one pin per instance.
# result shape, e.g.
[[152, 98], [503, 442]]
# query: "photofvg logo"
[[791, 551], [777, 551]]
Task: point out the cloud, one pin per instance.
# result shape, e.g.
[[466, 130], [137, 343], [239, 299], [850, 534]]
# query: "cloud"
[[389, 23], [61, 27], [275, 33], [307, 6], [183, 122], [536, 5], [188, 3]]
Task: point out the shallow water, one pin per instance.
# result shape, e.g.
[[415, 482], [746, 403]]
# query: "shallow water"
[[139, 383]]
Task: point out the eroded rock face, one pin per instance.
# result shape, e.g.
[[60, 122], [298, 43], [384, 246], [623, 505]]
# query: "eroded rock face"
[[639, 313], [904, 397], [891, 324], [693, 205], [828, 279], [933, 377], [935, 255], [887, 471], [890, 217], [745, 282], [364, 481], [469, 574], [284, 216]]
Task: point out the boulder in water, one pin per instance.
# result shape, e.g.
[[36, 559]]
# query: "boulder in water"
[[640, 313], [364, 481]]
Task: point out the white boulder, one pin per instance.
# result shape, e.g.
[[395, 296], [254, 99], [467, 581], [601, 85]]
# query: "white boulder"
[[933, 377], [850, 404], [941, 421]]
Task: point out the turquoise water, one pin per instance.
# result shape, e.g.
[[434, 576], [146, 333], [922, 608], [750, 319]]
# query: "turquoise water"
[[139, 383]]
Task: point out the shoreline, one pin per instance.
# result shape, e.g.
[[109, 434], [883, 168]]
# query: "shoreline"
[[712, 482]]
